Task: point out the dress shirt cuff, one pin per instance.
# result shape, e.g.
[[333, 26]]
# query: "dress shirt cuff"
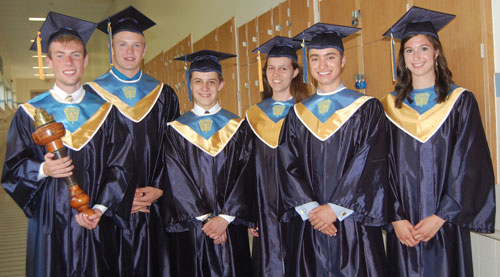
[[101, 208], [203, 217], [228, 218], [41, 174], [305, 209], [341, 212]]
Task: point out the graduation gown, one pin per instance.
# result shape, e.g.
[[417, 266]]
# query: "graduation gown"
[[332, 149], [210, 168], [266, 119], [56, 244], [145, 106], [439, 164]]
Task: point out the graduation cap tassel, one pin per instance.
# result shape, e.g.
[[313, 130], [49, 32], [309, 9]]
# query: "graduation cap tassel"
[[259, 64], [186, 70], [393, 60], [39, 52], [304, 58], [110, 41]]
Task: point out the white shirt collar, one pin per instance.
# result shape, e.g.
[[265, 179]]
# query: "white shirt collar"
[[281, 101], [339, 88], [199, 111], [60, 95]]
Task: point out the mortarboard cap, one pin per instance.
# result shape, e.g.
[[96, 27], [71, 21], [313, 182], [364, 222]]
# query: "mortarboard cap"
[[129, 19], [203, 61], [280, 47], [419, 21], [56, 25], [321, 36]]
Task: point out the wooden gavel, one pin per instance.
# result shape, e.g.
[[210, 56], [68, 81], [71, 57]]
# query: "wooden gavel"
[[49, 133]]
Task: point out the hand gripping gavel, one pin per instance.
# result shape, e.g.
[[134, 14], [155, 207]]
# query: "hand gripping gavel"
[[49, 133]]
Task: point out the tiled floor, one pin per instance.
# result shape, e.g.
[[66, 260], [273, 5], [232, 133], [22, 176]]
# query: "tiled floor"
[[13, 225]]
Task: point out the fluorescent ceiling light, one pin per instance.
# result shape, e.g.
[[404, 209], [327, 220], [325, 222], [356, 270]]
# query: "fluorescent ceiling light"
[[36, 19], [36, 56], [46, 75], [32, 40], [36, 67]]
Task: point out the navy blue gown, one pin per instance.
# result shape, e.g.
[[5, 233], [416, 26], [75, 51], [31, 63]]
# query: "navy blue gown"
[[266, 119], [210, 169], [332, 149], [439, 164], [146, 106]]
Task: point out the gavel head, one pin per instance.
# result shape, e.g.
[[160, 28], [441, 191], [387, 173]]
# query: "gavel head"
[[41, 118], [48, 132]]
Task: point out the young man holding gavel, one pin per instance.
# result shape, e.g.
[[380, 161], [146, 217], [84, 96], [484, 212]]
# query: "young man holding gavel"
[[98, 161]]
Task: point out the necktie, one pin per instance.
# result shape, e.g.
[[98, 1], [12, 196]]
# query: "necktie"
[[69, 99], [207, 112]]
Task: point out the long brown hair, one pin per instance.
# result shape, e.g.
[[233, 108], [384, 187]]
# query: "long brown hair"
[[443, 74], [298, 89]]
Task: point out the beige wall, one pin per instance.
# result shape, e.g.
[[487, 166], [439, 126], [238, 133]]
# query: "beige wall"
[[25, 86]]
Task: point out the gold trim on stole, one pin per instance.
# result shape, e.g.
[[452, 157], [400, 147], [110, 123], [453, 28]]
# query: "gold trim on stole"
[[420, 126], [217, 141], [139, 110], [264, 128], [323, 131], [84, 133]]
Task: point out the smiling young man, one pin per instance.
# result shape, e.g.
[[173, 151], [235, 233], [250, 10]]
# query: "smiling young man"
[[146, 105], [57, 245], [209, 199], [333, 167]]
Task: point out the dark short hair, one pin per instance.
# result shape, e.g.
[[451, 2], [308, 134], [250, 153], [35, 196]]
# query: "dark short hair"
[[218, 75]]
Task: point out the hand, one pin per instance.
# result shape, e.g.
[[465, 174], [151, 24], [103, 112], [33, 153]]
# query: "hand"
[[144, 197], [221, 240], [405, 232], [89, 222], [330, 230], [215, 227], [322, 217], [58, 168], [254, 231], [428, 227]]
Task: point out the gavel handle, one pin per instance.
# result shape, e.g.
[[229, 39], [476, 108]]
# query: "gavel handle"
[[78, 198], [59, 154]]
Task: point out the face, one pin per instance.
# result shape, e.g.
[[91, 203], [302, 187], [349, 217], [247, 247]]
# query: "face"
[[205, 86], [326, 66], [128, 49], [420, 57], [280, 73], [67, 62]]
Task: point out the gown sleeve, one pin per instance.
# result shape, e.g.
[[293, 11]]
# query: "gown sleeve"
[[469, 198], [364, 185], [22, 163], [239, 198], [295, 189], [169, 112], [182, 201], [116, 193]]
